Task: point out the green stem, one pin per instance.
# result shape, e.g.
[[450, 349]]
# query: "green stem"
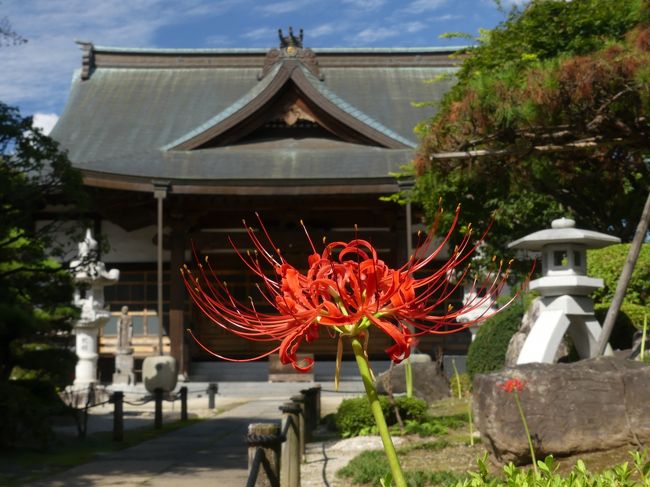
[[375, 407], [408, 376], [471, 422], [453, 364], [530, 441], [645, 328]]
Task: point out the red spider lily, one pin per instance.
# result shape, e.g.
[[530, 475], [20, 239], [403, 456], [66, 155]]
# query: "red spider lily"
[[512, 385], [347, 290]]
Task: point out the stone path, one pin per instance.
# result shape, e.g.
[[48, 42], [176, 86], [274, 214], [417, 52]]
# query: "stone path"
[[212, 452]]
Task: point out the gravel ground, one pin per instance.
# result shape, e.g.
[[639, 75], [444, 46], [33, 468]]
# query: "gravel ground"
[[324, 458]]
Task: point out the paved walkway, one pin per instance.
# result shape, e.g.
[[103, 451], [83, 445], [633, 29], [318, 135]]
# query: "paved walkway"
[[212, 452]]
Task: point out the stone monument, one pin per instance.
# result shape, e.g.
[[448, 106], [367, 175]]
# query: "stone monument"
[[124, 353], [90, 276], [565, 305]]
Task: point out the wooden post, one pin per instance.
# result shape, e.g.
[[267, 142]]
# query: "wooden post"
[[177, 294], [183, 392], [118, 415], [312, 408], [263, 441], [212, 390], [291, 457], [299, 400], [158, 419]]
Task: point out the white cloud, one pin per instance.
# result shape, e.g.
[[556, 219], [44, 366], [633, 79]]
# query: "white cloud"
[[365, 4], [413, 27], [510, 3], [45, 121], [218, 40], [322, 30], [418, 6], [284, 7], [443, 18], [38, 73], [261, 33], [374, 34]]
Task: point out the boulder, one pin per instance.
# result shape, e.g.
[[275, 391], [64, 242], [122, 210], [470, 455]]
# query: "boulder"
[[429, 382], [590, 405]]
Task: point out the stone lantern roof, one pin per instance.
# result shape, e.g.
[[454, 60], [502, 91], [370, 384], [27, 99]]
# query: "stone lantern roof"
[[564, 257], [563, 231]]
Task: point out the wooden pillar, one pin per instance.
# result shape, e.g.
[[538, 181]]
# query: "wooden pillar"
[[177, 296]]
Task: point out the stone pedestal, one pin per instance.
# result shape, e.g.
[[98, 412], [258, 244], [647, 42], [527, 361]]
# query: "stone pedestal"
[[124, 368], [86, 348]]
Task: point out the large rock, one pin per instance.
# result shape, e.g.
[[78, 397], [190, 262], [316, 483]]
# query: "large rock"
[[429, 382], [591, 405]]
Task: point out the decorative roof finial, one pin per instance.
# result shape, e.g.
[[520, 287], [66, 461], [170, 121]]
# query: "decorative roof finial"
[[291, 40]]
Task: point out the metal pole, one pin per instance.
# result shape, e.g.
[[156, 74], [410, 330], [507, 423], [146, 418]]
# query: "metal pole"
[[409, 230], [406, 186], [118, 416], [158, 417], [183, 403], [160, 192], [212, 390]]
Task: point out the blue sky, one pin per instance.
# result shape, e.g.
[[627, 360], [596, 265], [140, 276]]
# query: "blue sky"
[[36, 76]]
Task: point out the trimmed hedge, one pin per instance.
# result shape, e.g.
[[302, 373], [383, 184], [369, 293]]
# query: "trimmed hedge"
[[487, 352]]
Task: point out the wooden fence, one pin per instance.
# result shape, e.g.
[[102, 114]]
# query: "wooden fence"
[[275, 451]]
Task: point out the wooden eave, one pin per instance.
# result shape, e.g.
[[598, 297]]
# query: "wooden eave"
[[132, 183]]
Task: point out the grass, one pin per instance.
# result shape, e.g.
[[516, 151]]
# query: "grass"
[[21, 466], [446, 457], [370, 466]]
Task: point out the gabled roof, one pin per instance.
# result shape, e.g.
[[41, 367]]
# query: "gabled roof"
[[314, 90], [201, 118]]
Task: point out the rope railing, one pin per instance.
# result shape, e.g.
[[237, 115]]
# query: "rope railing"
[[118, 400], [275, 452]]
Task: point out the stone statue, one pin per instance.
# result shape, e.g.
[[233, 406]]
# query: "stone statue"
[[124, 331]]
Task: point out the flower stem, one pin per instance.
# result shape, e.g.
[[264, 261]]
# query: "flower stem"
[[525, 423], [375, 407], [408, 377], [471, 422]]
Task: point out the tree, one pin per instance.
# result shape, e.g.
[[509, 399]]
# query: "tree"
[[8, 36], [549, 118], [35, 289]]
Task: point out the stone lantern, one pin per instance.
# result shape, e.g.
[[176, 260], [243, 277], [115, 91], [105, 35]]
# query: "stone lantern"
[[90, 276], [564, 288]]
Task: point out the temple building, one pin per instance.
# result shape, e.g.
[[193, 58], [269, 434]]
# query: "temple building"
[[195, 140]]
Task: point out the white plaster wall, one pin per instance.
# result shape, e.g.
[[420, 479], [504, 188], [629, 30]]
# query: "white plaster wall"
[[135, 246]]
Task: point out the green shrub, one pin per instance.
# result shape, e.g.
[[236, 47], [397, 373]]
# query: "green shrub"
[[354, 417], [487, 352], [460, 384], [411, 408], [24, 417], [607, 263]]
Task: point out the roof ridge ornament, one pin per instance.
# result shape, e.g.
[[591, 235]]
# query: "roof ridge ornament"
[[290, 40], [291, 48]]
